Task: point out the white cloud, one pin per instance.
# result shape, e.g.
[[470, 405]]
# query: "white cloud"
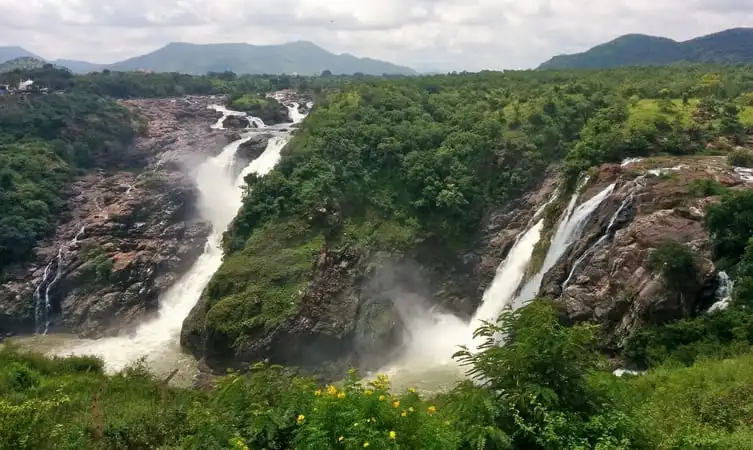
[[444, 34]]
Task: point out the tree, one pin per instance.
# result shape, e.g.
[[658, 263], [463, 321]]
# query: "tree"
[[676, 263], [730, 223]]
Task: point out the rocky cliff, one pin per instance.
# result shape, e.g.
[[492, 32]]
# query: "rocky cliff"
[[605, 276], [126, 235], [352, 310]]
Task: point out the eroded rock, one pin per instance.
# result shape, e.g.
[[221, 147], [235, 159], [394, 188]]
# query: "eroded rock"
[[128, 235]]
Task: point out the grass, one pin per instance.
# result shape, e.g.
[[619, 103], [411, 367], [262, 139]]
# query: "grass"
[[705, 406], [648, 110]]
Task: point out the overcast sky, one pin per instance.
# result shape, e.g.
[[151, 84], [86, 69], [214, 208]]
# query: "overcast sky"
[[424, 34]]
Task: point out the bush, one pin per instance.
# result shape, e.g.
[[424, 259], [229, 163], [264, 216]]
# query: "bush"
[[677, 265], [740, 158], [708, 188], [730, 223]]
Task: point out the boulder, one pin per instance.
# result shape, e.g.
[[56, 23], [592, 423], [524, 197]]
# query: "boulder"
[[235, 122]]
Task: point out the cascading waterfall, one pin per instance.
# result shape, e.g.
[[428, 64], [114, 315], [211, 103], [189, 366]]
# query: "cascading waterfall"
[[723, 293], [220, 197], [427, 360], [509, 275], [435, 337], [569, 230], [40, 308], [43, 302], [609, 231]]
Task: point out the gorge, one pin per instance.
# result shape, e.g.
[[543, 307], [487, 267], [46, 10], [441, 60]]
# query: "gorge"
[[605, 219]]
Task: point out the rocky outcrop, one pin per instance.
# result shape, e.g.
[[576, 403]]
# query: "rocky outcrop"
[[604, 276], [351, 313], [249, 150], [127, 234], [343, 321], [235, 122]]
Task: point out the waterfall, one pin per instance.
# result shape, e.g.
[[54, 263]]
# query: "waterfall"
[[435, 336], [43, 302], [723, 293], [220, 197], [40, 310], [509, 275], [569, 230], [607, 232], [253, 122]]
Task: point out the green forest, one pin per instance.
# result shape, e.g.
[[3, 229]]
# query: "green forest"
[[409, 165]]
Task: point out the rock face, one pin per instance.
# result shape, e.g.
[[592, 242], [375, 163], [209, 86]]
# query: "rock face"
[[604, 276], [249, 150], [351, 312], [235, 122], [127, 235], [341, 323]]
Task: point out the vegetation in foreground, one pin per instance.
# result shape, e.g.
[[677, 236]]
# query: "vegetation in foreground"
[[546, 389]]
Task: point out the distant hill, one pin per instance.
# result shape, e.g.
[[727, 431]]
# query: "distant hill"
[[79, 66], [730, 46], [9, 53], [23, 63], [300, 57]]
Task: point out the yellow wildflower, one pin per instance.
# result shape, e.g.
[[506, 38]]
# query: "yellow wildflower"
[[393, 435], [381, 398], [331, 390], [341, 395], [403, 414], [396, 404], [410, 409], [340, 439], [366, 444], [300, 418], [318, 392], [368, 392], [412, 390], [432, 409]]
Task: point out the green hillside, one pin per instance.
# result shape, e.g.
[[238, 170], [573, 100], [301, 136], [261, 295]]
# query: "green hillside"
[[22, 63], [730, 46]]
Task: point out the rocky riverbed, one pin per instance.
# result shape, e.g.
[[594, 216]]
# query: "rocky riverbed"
[[126, 235]]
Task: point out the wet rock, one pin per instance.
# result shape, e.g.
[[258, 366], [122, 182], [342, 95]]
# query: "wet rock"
[[235, 122], [343, 321], [612, 285], [249, 151]]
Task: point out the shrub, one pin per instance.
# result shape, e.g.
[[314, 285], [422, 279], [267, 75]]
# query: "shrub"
[[740, 158], [677, 265], [707, 188]]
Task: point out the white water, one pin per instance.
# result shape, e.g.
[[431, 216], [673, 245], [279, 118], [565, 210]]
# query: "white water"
[[220, 197], [569, 230], [507, 279], [427, 362], [723, 292]]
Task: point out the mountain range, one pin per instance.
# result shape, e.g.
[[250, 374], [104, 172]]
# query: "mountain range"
[[726, 47], [300, 57]]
